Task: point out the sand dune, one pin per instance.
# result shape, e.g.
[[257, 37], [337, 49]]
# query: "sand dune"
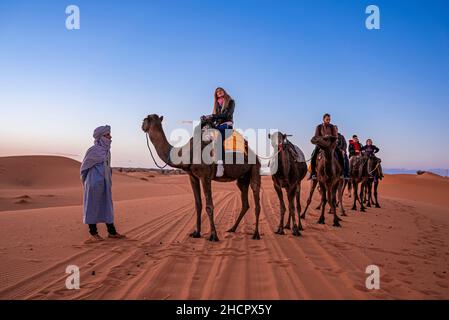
[[407, 238]]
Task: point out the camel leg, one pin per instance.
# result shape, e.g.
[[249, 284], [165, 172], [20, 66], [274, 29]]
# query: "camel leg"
[[369, 185], [255, 186], [298, 206], [349, 188], [196, 187], [362, 196], [291, 209], [376, 184], [280, 229], [207, 189], [354, 191], [309, 200], [341, 190], [333, 205], [323, 201], [243, 184]]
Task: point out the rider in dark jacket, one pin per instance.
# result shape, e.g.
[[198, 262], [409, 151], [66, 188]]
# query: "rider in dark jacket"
[[322, 130], [355, 147]]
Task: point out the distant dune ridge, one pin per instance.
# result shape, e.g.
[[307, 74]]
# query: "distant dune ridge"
[[41, 232]]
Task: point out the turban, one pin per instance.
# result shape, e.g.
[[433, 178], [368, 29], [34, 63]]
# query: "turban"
[[101, 131]]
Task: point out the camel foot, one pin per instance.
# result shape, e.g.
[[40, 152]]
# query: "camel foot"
[[287, 226], [280, 231], [321, 220], [213, 237], [256, 235], [362, 210], [195, 234], [377, 205], [303, 216], [300, 227], [337, 224], [338, 219], [231, 230], [296, 232], [369, 205]]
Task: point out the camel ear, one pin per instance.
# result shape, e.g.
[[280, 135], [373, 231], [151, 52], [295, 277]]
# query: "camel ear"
[[284, 136], [269, 136], [161, 118]]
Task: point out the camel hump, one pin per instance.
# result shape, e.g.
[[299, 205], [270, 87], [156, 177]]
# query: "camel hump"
[[300, 157]]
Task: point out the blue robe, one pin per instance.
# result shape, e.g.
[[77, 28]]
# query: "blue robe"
[[98, 207]]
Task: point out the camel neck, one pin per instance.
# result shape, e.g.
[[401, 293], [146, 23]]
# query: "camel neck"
[[161, 144], [329, 158]]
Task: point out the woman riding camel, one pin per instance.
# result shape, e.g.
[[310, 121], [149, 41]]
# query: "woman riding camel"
[[322, 130], [222, 116], [370, 150]]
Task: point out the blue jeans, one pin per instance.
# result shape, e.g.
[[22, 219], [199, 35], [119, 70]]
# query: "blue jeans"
[[222, 128]]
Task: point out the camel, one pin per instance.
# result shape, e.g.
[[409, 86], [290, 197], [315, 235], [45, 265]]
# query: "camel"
[[329, 173], [358, 172], [289, 175], [340, 190], [201, 173], [375, 175]]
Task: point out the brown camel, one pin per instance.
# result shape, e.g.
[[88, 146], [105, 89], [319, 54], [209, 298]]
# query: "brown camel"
[[329, 173], [201, 173], [358, 172], [289, 175], [340, 190], [374, 170]]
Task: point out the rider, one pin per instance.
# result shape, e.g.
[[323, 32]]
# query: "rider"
[[370, 150], [354, 147], [222, 115], [343, 146], [322, 130]]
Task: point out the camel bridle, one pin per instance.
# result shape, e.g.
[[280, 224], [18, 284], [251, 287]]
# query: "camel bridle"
[[151, 153]]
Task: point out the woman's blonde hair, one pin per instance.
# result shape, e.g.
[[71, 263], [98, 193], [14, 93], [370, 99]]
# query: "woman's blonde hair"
[[226, 99]]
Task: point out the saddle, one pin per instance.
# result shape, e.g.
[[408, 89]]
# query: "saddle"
[[296, 152], [234, 143]]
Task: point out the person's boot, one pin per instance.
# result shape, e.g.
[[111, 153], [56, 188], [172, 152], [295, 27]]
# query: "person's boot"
[[220, 169], [93, 238]]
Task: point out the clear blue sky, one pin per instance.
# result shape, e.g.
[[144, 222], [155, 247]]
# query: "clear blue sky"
[[284, 62]]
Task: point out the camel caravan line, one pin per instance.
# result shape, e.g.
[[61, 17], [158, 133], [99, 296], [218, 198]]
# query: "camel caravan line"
[[288, 167]]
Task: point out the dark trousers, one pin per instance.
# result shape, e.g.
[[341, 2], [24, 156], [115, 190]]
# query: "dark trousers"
[[111, 229], [346, 167]]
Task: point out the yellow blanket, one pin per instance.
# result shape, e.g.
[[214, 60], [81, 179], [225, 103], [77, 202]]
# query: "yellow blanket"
[[234, 143]]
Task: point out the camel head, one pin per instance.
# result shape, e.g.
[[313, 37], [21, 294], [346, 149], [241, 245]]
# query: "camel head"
[[278, 139], [326, 142], [151, 122]]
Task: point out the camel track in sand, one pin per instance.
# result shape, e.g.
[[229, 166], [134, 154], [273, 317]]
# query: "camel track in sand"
[[160, 260]]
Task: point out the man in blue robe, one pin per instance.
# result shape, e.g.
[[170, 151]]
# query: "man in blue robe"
[[96, 175]]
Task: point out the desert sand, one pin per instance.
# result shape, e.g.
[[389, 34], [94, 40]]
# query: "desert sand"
[[41, 233]]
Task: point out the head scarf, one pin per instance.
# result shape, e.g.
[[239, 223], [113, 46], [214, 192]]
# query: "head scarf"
[[100, 151]]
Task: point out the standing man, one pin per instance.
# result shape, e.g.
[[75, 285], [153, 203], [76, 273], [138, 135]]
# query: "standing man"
[[96, 175], [322, 130]]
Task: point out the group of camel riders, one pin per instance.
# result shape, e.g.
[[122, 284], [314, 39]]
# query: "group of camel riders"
[[222, 116], [355, 147]]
